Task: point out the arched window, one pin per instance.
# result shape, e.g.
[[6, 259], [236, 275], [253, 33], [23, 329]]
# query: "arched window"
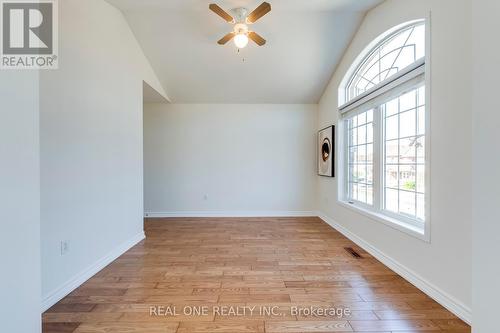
[[392, 54], [383, 126]]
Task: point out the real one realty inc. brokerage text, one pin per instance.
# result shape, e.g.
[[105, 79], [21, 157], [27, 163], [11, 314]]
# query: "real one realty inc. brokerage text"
[[241, 311]]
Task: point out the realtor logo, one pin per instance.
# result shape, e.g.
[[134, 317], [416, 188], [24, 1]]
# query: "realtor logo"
[[29, 34]]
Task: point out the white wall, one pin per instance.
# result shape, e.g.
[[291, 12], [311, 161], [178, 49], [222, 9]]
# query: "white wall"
[[445, 263], [19, 202], [486, 163], [246, 158], [91, 143]]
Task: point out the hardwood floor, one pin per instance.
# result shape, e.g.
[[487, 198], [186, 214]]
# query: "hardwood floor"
[[282, 268]]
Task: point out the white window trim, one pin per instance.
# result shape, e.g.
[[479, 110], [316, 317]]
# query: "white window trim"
[[374, 96], [389, 221], [403, 77]]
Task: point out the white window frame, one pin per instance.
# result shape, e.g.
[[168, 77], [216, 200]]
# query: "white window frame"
[[407, 79]]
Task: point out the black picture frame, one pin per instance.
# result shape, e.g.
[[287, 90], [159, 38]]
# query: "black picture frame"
[[326, 146]]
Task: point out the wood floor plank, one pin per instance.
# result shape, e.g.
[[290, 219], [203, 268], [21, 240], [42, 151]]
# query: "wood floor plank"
[[158, 292], [122, 308], [325, 297], [393, 325], [220, 291], [262, 298], [124, 327], [99, 292], [72, 307], [79, 317], [222, 327], [352, 315], [414, 314], [59, 327], [136, 317], [452, 324], [232, 263], [307, 326]]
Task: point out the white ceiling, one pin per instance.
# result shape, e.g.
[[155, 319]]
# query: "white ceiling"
[[305, 40]]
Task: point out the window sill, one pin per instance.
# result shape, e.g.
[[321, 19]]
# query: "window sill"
[[412, 230]]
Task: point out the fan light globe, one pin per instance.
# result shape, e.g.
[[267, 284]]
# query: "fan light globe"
[[241, 40]]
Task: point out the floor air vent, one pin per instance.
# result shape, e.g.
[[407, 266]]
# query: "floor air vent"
[[353, 252]]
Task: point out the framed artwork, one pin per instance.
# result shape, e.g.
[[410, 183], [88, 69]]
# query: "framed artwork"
[[326, 152]]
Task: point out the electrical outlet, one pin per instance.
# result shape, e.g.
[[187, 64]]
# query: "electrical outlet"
[[64, 247]]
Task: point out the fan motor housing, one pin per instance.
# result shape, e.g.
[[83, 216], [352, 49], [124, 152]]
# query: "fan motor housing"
[[240, 14], [240, 28]]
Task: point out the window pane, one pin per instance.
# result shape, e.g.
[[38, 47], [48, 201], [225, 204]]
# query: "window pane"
[[404, 158], [407, 152], [392, 151], [354, 137], [391, 127], [362, 192], [362, 119], [407, 177], [407, 203], [407, 123], [369, 174], [362, 135], [405, 58], [361, 174], [362, 154], [418, 38], [353, 155], [408, 101], [360, 158], [369, 116], [369, 133], [354, 191], [369, 195], [387, 62], [391, 176], [392, 107], [420, 147], [369, 153], [391, 200], [354, 177]]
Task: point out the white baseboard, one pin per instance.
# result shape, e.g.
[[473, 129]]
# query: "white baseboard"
[[271, 213], [55, 296], [443, 298]]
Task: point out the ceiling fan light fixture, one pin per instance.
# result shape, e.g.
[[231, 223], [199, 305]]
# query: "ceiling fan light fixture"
[[240, 18], [241, 41]]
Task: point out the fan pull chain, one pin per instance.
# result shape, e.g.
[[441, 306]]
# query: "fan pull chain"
[[243, 59]]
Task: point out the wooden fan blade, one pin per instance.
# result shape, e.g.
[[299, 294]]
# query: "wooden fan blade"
[[260, 11], [226, 38], [256, 38], [221, 12]]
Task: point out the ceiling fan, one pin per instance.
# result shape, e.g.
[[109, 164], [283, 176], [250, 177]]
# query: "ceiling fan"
[[241, 19]]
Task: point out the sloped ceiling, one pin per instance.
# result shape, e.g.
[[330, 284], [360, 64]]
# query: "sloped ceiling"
[[305, 41]]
